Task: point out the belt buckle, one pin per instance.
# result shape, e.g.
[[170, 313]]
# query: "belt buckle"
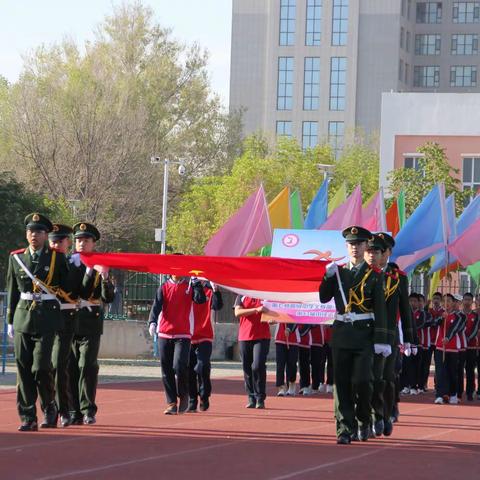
[[37, 297], [348, 317]]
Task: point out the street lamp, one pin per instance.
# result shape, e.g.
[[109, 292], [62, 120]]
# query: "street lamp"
[[161, 234], [326, 169]]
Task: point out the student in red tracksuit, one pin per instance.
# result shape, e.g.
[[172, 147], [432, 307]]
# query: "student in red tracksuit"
[[172, 318], [446, 354], [254, 341], [323, 381], [199, 383], [426, 352], [304, 359], [473, 344], [316, 357], [287, 338], [462, 352], [436, 312]]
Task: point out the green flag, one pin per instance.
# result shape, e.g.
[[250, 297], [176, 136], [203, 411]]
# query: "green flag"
[[296, 210], [266, 251], [474, 272], [401, 208]]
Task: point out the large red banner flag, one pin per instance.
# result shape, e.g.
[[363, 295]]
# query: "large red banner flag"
[[269, 278]]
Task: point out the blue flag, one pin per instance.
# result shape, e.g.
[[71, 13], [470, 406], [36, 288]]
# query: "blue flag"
[[318, 210], [424, 233]]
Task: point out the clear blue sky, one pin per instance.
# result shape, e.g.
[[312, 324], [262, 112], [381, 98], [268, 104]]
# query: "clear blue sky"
[[25, 24]]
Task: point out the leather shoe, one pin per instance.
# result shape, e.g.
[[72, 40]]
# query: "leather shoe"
[[251, 403], [260, 404], [354, 437], [65, 420], [192, 407], [51, 417], [171, 409], [183, 404], [388, 428], [204, 405], [378, 427], [28, 426], [364, 433], [89, 419], [395, 414], [343, 439]]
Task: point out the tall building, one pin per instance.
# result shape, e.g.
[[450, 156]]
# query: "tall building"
[[317, 68]]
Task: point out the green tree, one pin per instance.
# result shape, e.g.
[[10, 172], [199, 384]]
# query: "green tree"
[[434, 168]]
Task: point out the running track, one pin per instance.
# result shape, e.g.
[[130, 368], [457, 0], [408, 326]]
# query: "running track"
[[292, 438]]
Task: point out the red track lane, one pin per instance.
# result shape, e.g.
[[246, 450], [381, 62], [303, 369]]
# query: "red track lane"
[[292, 438]]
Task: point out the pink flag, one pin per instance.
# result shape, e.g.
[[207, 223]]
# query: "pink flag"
[[348, 213], [246, 231], [373, 215], [465, 246]]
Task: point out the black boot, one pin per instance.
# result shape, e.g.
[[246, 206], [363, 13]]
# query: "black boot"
[[28, 426], [51, 417]]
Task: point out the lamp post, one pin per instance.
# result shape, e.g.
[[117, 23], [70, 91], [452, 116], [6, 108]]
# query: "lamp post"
[[326, 169]]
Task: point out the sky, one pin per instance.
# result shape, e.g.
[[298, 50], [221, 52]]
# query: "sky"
[[26, 24]]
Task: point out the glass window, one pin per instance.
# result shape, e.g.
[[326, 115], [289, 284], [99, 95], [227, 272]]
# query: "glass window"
[[407, 73], [313, 28], [340, 22], [400, 70], [465, 44], [284, 128], [407, 41], [402, 37], [311, 85], [338, 74], [336, 132], [427, 44], [429, 12], [466, 12], [412, 162], [287, 22], [426, 76], [285, 83], [463, 76], [309, 134], [471, 173]]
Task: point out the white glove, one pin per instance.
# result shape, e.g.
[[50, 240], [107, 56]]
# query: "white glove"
[[75, 259], [103, 272], [10, 331], [152, 328], [89, 271], [382, 349], [414, 350], [407, 349], [331, 270]]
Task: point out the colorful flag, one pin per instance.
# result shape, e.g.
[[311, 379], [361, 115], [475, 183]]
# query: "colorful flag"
[[339, 198], [401, 208], [392, 219], [276, 279], [349, 213], [434, 281], [474, 272], [318, 209], [296, 210], [279, 210], [425, 231], [465, 246], [373, 214], [246, 231]]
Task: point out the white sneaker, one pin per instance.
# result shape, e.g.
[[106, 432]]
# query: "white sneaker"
[[453, 400], [282, 391], [307, 391], [439, 401], [405, 391], [291, 389], [329, 389], [322, 388]]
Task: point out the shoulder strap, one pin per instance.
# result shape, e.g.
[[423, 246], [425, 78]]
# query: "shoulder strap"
[[32, 277]]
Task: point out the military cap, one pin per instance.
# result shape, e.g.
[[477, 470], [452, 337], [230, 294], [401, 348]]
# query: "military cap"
[[84, 229], [376, 242], [388, 239], [356, 234], [59, 231], [37, 221]]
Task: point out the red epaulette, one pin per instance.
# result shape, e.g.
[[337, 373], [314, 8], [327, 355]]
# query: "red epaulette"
[[20, 250], [401, 272], [375, 269]]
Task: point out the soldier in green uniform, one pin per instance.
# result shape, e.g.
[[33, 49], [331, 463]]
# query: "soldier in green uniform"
[[396, 297], [359, 330], [35, 274], [95, 290], [60, 240]]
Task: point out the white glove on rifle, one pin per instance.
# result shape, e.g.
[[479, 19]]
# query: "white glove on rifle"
[[331, 270], [75, 259], [10, 331], [382, 349], [152, 328]]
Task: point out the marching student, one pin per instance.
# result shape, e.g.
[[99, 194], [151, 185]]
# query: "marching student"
[[436, 312], [304, 360], [462, 351], [427, 350], [172, 318], [471, 331], [199, 383], [287, 339], [321, 359], [446, 354], [254, 341]]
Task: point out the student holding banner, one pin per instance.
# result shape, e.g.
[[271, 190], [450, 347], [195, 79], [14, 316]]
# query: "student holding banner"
[[287, 338]]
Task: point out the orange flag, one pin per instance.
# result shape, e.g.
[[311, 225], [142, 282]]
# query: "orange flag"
[[393, 220]]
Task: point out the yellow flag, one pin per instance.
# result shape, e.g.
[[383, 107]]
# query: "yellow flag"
[[279, 210], [339, 197], [435, 280]]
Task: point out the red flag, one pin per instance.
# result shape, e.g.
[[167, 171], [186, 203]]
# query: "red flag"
[[276, 279], [393, 220]]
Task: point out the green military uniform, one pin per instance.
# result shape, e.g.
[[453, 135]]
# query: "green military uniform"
[[86, 341], [358, 326], [35, 316]]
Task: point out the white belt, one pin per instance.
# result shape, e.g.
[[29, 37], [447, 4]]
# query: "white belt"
[[78, 305], [37, 297], [68, 306], [353, 317]]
